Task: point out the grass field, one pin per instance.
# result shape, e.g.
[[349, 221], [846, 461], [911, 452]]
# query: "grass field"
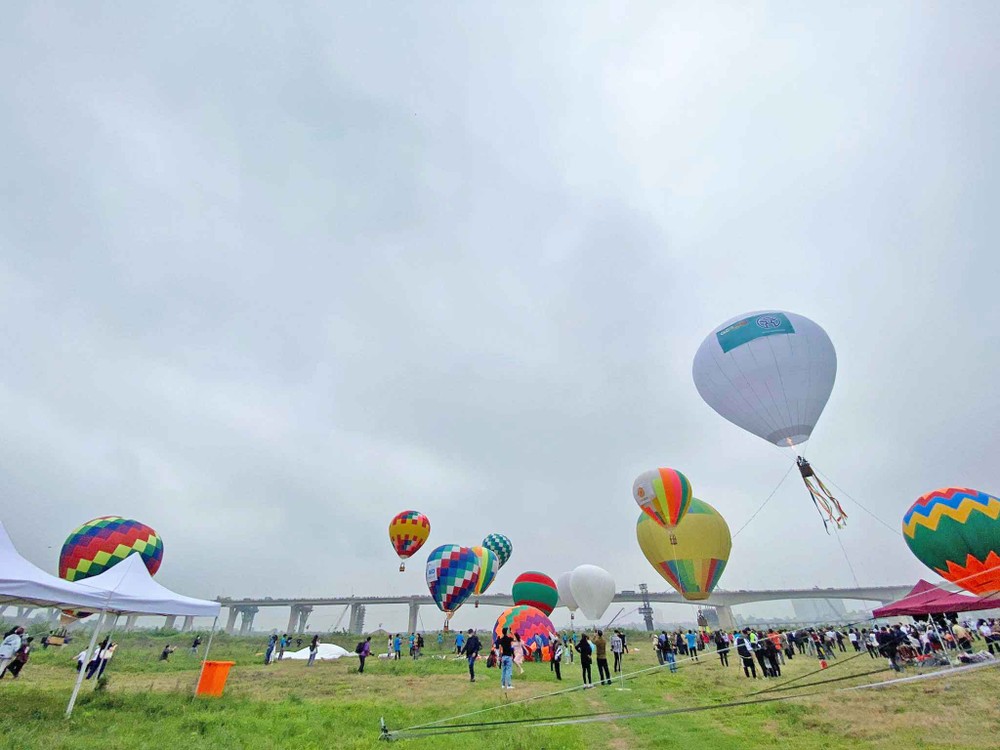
[[149, 704]]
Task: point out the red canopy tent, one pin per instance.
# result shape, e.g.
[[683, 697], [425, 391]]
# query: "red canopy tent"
[[927, 599]]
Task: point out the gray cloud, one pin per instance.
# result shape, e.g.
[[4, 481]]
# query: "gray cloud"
[[269, 276]]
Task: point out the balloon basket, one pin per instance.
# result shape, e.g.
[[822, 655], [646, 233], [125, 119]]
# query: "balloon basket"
[[673, 538], [402, 567], [477, 604]]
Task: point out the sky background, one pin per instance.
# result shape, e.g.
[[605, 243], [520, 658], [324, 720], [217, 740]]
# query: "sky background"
[[270, 275]]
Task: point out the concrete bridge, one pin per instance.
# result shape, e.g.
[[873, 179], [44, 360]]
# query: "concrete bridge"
[[723, 601]]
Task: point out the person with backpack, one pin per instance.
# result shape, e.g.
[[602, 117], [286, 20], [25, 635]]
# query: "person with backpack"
[[557, 654], [362, 650], [471, 650]]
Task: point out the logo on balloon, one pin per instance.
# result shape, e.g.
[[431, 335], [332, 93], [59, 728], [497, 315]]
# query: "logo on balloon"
[[768, 321]]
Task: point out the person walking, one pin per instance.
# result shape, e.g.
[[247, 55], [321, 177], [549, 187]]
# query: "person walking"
[[519, 650], [9, 647], [621, 633], [601, 651], [272, 642], [95, 659], [616, 648], [505, 644], [670, 655], [164, 655], [313, 650], [471, 650], [660, 646], [583, 648], [106, 656], [460, 643], [397, 646], [20, 658], [557, 654], [366, 649], [194, 645]]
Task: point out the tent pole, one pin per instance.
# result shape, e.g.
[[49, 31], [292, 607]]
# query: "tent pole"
[[86, 663], [208, 647]]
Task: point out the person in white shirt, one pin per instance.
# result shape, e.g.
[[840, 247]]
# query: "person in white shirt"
[[10, 646]]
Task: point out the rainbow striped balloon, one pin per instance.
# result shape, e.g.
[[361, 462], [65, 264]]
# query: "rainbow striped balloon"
[[489, 566], [694, 565], [535, 628], [663, 494], [955, 532], [104, 542], [407, 532]]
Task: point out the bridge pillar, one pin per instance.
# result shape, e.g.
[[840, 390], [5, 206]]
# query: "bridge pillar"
[[23, 614], [293, 619], [304, 611], [170, 623], [414, 613], [246, 619], [726, 619], [188, 624], [357, 621], [130, 623], [231, 622]]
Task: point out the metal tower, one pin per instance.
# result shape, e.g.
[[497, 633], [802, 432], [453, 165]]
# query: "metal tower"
[[646, 610]]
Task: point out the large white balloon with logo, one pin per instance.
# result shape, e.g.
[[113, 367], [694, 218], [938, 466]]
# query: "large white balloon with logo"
[[593, 589], [769, 372], [566, 591]]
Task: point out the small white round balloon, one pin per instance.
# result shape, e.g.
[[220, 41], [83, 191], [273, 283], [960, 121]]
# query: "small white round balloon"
[[566, 591], [593, 589]]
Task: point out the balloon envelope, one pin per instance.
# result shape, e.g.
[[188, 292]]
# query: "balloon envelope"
[[500, 546], [489, 566], [104, 542], [408, 531], [565, 591], [536, 590], [452, 573], [593, 588], [530, 623], [769, 372], [956, 533], [664, 494], [695, 564]]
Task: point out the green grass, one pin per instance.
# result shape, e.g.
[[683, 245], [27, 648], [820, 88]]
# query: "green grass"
[[149, 703]]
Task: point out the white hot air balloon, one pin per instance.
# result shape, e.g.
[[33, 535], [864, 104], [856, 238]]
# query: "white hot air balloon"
[[771, 373], [565, 590], [593, 589]]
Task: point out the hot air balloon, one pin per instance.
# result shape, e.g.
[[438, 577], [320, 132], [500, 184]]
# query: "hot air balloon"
[[771, 373], [500, 546], [536, 590], [565, 592], [695, 564], [102, 543], [452, 573], [956, 533], [664, 494], [408, 531], [531, 624], [489, 566], [593, 589]]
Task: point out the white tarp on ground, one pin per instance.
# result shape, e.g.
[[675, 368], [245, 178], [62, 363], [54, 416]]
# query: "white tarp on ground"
[[132, 590], [324, 652], [22, 582]]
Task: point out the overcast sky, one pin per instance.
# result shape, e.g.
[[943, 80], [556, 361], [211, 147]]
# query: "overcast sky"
[[269, 275]]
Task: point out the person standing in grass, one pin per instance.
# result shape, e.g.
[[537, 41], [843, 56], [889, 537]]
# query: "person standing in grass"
[[460, 643], [471, 649], [194, 645], [557, 654], [272, 642], [691, 639], [583, 648], [366, 649], [505, 644], [313, 650], [601, 651], [397, 646], [519, 649], [440, 640], [745, 652], [722, 647], [616, 650]]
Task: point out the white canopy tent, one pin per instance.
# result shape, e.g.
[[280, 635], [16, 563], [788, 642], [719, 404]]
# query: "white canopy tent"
[[130, 589], [22, 582]]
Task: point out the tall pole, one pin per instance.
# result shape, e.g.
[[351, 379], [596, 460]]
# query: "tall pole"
[[86, 662]]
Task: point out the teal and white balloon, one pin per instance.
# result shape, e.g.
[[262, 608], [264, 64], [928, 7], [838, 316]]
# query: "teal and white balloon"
[[769, 372], [500, 546]]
